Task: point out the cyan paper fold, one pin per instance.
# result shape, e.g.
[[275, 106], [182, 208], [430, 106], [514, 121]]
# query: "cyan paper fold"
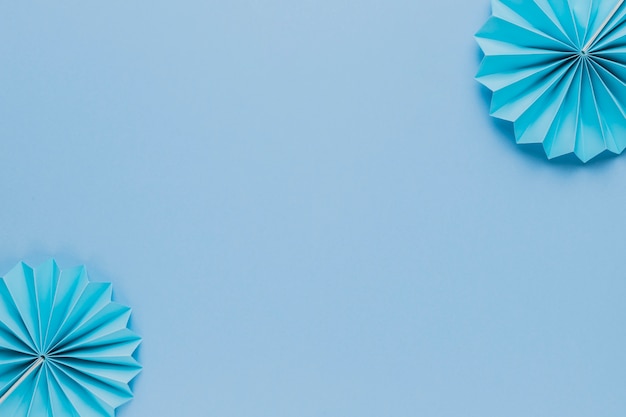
[[557, 69], [65, 347]]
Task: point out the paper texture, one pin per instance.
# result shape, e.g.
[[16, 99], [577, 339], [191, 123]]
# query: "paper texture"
[[557, 70], [65, 349]]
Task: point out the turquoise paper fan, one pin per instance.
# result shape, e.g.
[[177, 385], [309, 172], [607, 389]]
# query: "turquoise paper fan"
[[557, 69], [65, 347]]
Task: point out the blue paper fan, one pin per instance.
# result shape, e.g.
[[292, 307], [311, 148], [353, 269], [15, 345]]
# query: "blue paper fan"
[[65, 348], [557, 69]]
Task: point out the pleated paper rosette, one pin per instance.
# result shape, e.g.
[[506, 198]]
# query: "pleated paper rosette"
[[65, 347], [557, 69]]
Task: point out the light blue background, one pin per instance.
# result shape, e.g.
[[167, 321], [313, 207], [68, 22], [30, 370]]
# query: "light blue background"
[[309, 209]]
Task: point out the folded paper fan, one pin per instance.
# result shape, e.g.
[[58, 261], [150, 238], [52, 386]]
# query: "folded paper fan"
[[557, 69], [65, 348]]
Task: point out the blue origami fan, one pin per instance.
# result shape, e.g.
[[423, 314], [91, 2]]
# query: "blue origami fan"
[[65, 349], [557, 69]]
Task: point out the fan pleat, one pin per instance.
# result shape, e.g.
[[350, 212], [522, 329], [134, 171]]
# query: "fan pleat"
[[75, 388], [46, 281], [544, 110], [612, 107], [543, 21], [18, 403], [70, 286], [36, 405], [94, 297], [20, 284], [112, 317], [525, 92], [109, 339]]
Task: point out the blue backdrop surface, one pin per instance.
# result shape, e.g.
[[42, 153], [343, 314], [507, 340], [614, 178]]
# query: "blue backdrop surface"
[[310, 210]]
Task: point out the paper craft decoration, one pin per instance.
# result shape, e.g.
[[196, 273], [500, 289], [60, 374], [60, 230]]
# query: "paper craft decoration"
[[65, 349], [557, 69]]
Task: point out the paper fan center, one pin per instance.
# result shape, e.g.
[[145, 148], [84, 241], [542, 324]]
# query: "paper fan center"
[[45, 354]]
